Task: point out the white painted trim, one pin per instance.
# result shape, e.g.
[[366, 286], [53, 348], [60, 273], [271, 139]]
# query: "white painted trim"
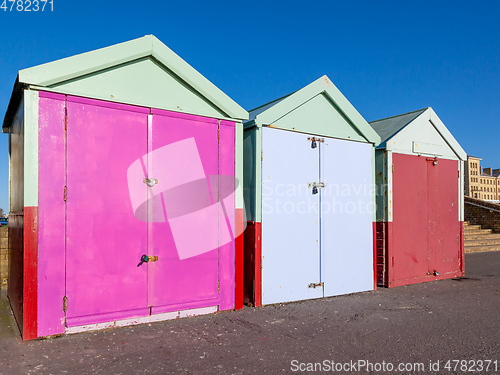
[[141, 320], [390, 196], [461, 187], [374, 187], [407, 152], [30, 148], [238, 166]]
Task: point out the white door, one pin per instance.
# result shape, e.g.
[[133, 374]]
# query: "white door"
[[346, 217], [290, 217]]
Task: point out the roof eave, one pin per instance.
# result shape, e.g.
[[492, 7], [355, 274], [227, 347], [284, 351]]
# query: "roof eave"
[[15, 100]]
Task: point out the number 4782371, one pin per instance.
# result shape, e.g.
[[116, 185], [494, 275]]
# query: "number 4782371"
[[27, 5]]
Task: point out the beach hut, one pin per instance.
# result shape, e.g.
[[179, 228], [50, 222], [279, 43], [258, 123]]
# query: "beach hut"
[[125, 164], [308, 177], [420, 180]]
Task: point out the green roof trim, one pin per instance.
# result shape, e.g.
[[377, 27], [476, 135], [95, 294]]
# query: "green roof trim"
[[60, 73], [270, 114]]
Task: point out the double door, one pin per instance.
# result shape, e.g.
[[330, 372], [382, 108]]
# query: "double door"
[[426, 229], [317, 215], [141, 188]]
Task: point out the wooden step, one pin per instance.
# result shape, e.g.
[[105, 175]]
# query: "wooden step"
[[469, 227], [484, 241], [477, 231], [480, 236], [481, 248]]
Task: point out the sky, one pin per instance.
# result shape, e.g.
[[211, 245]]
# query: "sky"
[[387, 57]]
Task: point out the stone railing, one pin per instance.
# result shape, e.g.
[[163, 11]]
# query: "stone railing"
[[479, 212]]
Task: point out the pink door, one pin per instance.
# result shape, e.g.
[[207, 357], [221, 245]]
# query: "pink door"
[[104, 241], [184, 161], [159, 185]]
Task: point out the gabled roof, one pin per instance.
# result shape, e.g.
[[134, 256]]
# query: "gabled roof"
[[272, 113], [389, 126], [57, 73], [396, 130]]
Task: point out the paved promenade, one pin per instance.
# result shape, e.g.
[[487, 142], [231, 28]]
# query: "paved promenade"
[[427, 324]]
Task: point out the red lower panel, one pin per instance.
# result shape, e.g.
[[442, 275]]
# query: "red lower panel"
[[16, 261], [238, 301], [252, 282], [382, 236], [30, 272]]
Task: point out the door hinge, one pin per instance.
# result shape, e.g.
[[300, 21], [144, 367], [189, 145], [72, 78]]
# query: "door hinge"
[[393, 168], [316, 285], [65, 118], [65, 303], [65, 195], [218, 285]]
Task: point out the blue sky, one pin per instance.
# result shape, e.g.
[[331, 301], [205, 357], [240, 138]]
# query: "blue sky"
[[387, 57]]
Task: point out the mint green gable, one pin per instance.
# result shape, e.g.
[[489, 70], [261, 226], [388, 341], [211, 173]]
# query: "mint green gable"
[[319, 108], [319, 115], [140, 82], [141, 72]]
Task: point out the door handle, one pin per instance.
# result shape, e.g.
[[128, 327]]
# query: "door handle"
[[146, 258]]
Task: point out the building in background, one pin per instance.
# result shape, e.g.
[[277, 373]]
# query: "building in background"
[[481, 183]]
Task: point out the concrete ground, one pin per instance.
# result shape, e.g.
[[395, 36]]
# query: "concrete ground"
[[419, 324]]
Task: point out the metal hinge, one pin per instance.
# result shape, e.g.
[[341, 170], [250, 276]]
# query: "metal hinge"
[[316, 285], [218, 286], [65, 195], [65, 118], [393, 168], [65, 303]]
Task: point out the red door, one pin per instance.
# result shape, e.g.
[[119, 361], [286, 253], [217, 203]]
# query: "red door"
[[426, 229], [444, 228], [410, 256]]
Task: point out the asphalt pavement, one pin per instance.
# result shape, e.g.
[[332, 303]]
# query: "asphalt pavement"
[[443, 327]]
